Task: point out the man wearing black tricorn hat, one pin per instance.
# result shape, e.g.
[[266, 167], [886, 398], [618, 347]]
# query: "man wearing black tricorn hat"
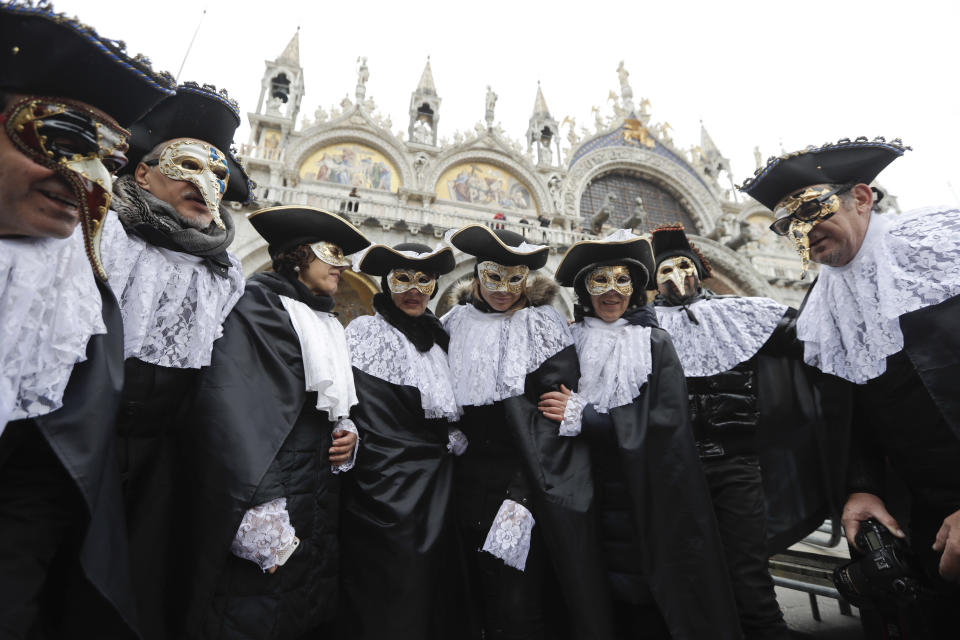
[[165, 251], [66, 95], [883, 315]]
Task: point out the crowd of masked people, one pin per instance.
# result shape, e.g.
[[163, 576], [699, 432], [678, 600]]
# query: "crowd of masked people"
[[188, 454]]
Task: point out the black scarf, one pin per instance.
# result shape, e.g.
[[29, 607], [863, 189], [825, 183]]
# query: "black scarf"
[[423, 331], [158, 223]]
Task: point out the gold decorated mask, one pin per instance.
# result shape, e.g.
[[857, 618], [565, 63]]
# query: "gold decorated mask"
[[498, 278], [202, 165], [676, 270], [400, 280], [799, 213], [330, 253], [603, 279], [83, 146]]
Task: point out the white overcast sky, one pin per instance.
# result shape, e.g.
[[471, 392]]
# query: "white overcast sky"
[[757, 73]]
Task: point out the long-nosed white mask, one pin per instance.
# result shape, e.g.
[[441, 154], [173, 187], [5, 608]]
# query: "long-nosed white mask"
[[676, 270], [200, 164]]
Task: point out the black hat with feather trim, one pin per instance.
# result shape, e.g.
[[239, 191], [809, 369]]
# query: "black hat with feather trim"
[[199, 112], [45, 53], [289, 227], [670, 241], [847, 161], [501, 246]]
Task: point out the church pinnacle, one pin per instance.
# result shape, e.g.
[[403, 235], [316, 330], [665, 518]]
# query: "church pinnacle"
[[291, 54], [424, 110], [426, 80]]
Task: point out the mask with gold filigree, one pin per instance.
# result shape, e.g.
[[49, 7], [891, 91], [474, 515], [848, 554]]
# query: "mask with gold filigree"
[[499, 278], [676, 270], [85, 147], [401, 280], [330, 253], [611, 278], [202, 165], [799, 213]]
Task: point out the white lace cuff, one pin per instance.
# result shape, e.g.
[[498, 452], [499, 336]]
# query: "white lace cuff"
[[346, 424], [509, 536], [572, 415], [456, 442], [265, 534]]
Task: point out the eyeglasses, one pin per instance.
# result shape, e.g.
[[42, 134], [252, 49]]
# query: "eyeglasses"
[[819, 208]]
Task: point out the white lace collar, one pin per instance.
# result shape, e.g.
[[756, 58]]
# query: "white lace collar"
[[173, 305], [490, 354], [615, 361], [49, 308], [850, 323], [731, 331], [326, 360], [379, 349]]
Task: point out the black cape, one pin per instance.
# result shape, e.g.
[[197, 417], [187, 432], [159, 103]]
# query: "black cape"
[[682, 553], [81, 434], [250, 400]]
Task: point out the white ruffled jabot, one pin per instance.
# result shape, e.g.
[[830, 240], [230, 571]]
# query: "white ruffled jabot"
[[490, 354], [731, 331], [382, 351], [615, 361], [173, 305], [851, 321], [49, 308], [326, 360]]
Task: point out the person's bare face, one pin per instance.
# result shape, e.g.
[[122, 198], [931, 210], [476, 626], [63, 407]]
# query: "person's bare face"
[[499, 300], [320, 277], [411, 302], [610, 306], [836, 240]]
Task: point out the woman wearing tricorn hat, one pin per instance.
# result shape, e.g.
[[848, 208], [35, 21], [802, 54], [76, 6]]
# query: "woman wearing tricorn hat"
[[523, 491], [660, 543], [270, 419], [396, 502]]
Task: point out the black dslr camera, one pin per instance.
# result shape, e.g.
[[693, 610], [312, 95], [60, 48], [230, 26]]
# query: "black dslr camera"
[[885, 574]]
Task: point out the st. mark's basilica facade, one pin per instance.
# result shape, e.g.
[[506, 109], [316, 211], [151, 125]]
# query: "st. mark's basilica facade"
[[554, 189]]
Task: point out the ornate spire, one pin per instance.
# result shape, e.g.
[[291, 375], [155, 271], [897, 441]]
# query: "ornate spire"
[[426, 80], [291, 55], [540, 104]]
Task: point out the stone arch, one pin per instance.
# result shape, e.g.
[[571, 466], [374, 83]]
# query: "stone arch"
[[732, 273], [313, 141], [702, 205], [506, 161]]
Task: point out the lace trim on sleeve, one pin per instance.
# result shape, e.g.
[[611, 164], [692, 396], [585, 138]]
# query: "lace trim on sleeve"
[[491, 354], [572, 415], [509, 536], [49, 308], [346, 424], [615, 361], [457, 442], [378, 349], [730, 331], [173, 305], [851, 321], [265, 532]]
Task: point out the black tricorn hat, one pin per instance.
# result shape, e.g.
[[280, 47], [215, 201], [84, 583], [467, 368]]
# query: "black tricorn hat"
[[199, 112], [48, 54], [288, 227], [379, 260], [847, 161], [501, 246], [620, 246], [671, 241]]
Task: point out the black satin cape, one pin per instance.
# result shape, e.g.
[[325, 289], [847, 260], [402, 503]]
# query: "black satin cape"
[[248, 402], [82, 435], [682, 552], [396, 516]]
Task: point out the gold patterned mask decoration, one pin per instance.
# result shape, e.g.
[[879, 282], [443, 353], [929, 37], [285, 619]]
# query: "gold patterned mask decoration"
[[400, 280], [330, 253], [799, 213], [498, 278], [202, 165], [676, 270], [83, 146], [603, 279]]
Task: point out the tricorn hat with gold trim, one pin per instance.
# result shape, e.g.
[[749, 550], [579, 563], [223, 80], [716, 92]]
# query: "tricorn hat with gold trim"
[[288, 227], [501, 246]]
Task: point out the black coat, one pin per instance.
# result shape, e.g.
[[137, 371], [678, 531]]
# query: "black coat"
[[673, 545], [256, 435]]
